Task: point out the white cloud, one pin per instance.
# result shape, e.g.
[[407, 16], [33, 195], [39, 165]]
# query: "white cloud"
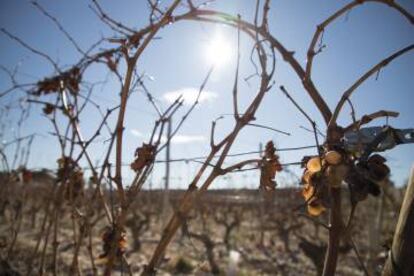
[[136, 133], [177, 139], [189, 95], [185, 139]]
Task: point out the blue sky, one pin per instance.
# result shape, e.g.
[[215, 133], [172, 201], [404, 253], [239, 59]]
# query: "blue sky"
[[177, 62]]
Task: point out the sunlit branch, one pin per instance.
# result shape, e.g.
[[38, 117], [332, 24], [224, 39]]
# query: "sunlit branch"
[[269, 128], [368, 118], [345, 9], [347, 94]]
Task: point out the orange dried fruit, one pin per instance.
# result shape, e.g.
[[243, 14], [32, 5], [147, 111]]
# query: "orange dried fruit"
[[308, 191], [314, 164], [307, 175], [333, 157]]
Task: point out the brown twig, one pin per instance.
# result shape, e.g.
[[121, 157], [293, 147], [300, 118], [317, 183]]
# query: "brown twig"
[[368, 118]]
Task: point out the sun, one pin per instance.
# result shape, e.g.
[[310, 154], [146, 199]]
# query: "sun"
[[218, 51]]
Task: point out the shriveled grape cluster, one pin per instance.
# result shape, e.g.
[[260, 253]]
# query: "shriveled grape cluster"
[[66, 80], [71, 175], [270, 165], [108, 242], [334, 167]]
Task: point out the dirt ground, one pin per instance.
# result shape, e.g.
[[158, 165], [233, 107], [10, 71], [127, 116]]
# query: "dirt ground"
[[231, 232]]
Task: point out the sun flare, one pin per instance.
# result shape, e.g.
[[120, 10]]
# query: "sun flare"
[[218, 51]]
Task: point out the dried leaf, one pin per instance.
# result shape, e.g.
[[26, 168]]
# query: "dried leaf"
[[315, 208], [27, 175], [378, 171], [143, 156], [66, 80], [48, 109]]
